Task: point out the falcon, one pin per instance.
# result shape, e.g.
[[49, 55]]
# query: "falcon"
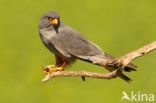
[[68, 45]]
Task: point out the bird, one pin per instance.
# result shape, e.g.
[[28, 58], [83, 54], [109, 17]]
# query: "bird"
[[68, 45]]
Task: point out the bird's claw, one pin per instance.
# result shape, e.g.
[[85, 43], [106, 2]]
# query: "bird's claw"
[[52, 68]]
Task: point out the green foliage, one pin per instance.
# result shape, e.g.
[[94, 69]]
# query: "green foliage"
[[117, 26]]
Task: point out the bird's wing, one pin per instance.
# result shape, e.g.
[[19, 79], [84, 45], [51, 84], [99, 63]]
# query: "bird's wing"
[[71, 42]]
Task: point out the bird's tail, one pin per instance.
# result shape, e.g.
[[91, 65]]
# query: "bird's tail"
[[130, 67], [98, 58], [125, 78], [121, 75]]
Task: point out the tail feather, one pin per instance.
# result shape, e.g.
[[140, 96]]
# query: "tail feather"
[[125, 78], [98, 58], [130, 67], [120, 75]]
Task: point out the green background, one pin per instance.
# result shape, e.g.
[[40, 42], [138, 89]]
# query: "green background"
[[117, 26]]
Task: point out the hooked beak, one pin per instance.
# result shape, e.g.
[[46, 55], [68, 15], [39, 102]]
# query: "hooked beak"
[[54, 21]]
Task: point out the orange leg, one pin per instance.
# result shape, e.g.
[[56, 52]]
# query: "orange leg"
[[63, 65], [53, 68], [59, 66]]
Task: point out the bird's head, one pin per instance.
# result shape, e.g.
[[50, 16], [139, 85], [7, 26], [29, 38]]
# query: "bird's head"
[[50, 19]]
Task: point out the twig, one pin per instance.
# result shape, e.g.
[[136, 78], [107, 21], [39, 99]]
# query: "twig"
[[80, 74], [126, 59], [121, 61]]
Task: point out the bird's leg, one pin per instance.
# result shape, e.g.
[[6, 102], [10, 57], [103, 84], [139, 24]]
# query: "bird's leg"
[[53, 68], [63, 65]]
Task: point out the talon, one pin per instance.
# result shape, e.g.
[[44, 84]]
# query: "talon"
[[52, 68]]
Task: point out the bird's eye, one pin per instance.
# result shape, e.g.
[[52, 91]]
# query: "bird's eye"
[[50, 18]]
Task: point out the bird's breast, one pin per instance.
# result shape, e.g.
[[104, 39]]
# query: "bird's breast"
[[46, 35]]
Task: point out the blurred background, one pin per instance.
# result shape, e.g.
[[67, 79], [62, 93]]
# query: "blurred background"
[[117, 26]]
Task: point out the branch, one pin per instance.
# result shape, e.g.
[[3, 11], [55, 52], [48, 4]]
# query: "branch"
[[121, 62], [80, 74], [126, 59]]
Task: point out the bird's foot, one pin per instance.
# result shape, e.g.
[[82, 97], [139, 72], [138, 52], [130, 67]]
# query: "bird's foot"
[[49, 69]]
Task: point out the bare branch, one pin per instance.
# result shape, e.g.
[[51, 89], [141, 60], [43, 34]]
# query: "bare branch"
[[80, 74], [121, 61], [126, 59]]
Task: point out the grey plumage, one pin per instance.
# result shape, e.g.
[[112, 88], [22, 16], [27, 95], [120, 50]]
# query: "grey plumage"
[[68, 43]]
